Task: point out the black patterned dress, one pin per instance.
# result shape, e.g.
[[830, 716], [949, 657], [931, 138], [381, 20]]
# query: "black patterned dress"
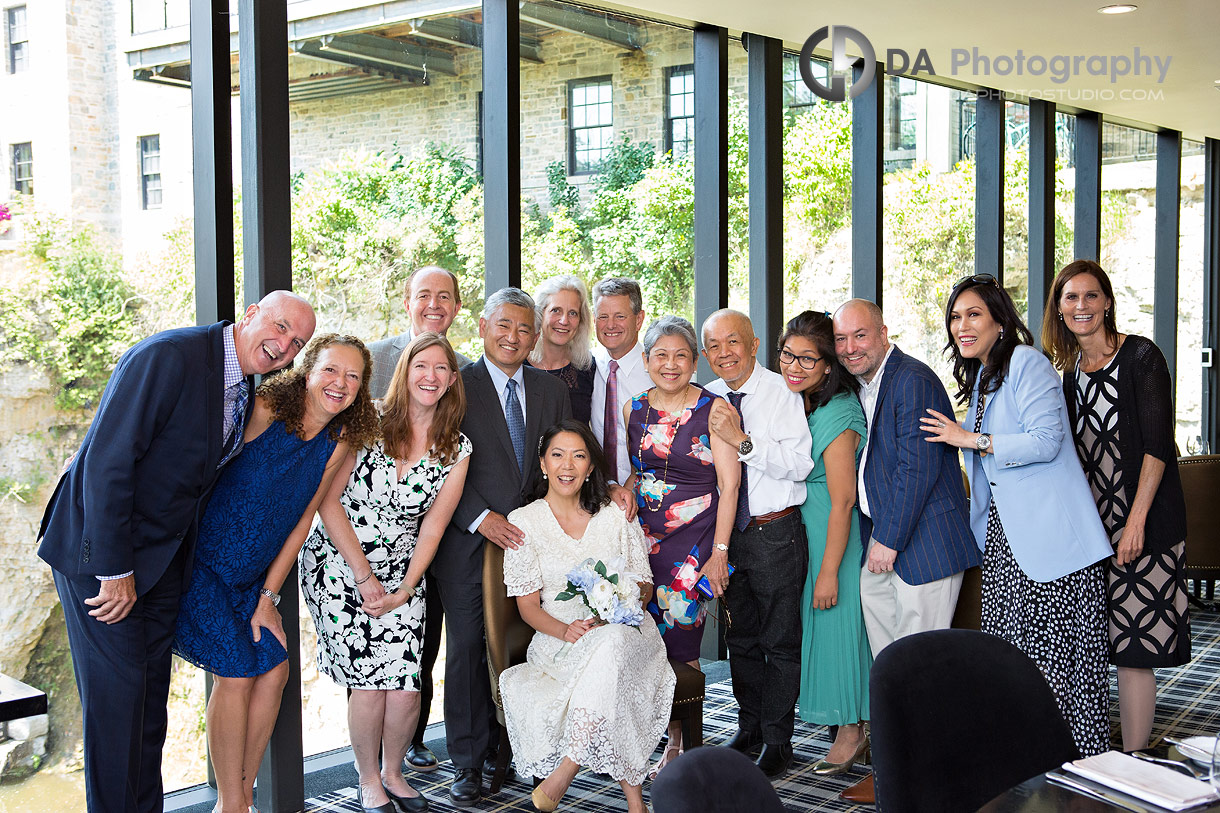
[[355, 649], [1149, 622], [1059, 624]]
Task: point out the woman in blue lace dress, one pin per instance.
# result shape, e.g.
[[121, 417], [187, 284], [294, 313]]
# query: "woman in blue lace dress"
[[302, 426]]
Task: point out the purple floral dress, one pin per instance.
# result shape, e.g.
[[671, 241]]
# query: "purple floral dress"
[[676, 491]]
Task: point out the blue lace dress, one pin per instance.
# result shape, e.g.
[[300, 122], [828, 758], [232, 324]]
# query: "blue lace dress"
[[258, 500]]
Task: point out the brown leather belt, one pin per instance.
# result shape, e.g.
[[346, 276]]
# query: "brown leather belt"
[[764, 519]]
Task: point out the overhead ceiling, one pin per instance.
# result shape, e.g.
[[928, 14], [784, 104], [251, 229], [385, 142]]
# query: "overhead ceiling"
[[1184, 32]]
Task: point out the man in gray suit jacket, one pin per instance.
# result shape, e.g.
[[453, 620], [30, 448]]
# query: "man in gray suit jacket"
[[509, 405], [432, 299]]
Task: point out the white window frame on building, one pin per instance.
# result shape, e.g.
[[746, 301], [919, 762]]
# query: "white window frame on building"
[[22, 155], [590, 123], [679, 110], [150, 171], [17, 39]]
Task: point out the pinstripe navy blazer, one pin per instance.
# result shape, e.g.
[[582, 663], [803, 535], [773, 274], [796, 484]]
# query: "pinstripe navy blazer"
[[915, 489]]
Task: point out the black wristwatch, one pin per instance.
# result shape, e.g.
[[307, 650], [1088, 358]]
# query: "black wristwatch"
[[983, 441], [746, 447]]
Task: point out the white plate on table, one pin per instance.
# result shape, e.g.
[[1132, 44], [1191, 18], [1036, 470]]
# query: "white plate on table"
[[1198, 749]]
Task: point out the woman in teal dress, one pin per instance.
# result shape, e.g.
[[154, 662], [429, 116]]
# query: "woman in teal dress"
[[835, 656]]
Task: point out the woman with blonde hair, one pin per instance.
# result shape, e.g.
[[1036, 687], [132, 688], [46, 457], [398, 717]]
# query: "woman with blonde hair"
[[362, 568], [563, 349]]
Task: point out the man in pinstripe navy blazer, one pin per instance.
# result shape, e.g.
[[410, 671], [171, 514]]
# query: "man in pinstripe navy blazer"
[[912, 501]]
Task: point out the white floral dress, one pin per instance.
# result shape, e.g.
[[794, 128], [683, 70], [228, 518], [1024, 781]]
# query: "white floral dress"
[[604, 701], [355, 649]]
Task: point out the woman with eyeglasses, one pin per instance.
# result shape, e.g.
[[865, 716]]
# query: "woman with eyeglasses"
[[835, 655], [685, 479], [1031, 509], [1120, 408]]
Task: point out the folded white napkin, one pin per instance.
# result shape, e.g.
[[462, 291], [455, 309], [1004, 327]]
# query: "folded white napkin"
[[1144, 780]]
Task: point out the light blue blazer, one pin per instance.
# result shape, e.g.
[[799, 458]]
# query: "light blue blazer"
[[1045, 503]]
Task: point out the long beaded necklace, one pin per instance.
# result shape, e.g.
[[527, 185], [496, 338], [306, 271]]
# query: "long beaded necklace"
[[654, 503]]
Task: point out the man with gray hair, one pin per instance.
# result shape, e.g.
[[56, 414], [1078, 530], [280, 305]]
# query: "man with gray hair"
[[618, 314], [509, 406]]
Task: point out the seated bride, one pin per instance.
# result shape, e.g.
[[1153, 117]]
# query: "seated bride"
[[596, 689]]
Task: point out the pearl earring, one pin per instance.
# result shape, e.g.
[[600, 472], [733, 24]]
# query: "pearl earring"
[[1061, 317], [1001, 333], [544, 475]]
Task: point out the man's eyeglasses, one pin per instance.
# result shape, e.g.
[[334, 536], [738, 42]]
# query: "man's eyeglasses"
[[806, 362]]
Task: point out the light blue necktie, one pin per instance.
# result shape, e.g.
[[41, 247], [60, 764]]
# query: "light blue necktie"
[[516, 422]]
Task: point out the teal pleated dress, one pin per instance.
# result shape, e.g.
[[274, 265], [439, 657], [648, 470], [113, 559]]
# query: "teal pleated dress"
[[835, 656]]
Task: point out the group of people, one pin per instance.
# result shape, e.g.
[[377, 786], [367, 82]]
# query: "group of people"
[[823, 503]]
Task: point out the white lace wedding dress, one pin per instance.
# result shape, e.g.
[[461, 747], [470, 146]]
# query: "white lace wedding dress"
[[605, 700]]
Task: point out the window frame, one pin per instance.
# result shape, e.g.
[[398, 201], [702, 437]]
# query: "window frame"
[[794, 87], [146, 178], [689, 104], [573, 130], [16, 162], [17, 56]]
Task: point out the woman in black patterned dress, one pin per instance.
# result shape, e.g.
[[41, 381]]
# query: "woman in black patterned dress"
[[1120, 405], [563, 350]]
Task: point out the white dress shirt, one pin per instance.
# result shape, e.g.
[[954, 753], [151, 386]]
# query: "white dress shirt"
[[782, 457], [868, 400], [632, 379], [499, 380]]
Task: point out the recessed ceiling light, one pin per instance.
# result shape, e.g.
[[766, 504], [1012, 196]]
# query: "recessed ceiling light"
[[1118, 8]]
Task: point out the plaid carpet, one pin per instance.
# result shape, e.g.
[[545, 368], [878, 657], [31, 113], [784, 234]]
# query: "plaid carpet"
[[1188, 703]]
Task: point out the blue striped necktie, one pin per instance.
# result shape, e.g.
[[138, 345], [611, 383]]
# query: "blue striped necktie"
[[239, 421], [516, 422]]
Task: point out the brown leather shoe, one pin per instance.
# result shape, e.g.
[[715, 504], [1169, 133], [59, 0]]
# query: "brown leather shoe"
[[861, 793]]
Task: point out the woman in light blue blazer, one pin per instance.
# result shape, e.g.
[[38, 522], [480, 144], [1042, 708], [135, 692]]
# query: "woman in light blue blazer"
[[1031, 509]]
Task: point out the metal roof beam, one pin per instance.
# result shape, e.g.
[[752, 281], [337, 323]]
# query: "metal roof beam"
[[595, 25]]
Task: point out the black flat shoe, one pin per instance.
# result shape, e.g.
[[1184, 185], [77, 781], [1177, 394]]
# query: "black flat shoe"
[[775, 759], [420, 758], [743, 741], [408, 804], [466, 788], [388, 807], [489, 769]]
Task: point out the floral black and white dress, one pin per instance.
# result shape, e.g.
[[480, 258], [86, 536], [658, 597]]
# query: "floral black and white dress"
[[355, 649]]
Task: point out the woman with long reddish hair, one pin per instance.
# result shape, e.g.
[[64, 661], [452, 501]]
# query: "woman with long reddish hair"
[[362, 568]]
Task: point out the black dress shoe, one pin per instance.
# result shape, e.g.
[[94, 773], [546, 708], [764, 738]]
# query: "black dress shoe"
[[774, 759], [388, 807], [743, 741], [408, 804], [466, 788], [420, 758], [489, 769]]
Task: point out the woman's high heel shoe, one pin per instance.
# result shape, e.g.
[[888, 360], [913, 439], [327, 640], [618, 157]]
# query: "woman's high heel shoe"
[[542, 802], [825, 768]]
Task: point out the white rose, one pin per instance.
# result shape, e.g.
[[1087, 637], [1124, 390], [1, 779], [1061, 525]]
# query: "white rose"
[[601, 595]]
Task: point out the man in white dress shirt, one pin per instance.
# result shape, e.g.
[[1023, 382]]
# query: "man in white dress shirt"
[[618, 313], [768, 545]]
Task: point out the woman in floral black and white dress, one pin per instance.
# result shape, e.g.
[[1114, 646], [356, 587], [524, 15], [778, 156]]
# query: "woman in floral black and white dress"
[[362, 568]]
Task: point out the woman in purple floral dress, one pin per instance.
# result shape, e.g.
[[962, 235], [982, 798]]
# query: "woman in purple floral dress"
[[685, 480]]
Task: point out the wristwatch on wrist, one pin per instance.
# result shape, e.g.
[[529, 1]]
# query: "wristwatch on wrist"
[[983, 442], [720, 546], [275, 597], [746, 447]]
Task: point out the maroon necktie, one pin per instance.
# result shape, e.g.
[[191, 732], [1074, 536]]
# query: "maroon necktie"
[[610, 426]]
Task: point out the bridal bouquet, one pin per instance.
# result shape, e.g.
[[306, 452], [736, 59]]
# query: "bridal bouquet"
[[613, 599]]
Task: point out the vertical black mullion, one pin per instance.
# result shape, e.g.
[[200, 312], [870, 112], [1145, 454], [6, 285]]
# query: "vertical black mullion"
[[1165, 257], [1210, 420], [766, 191], [866, 192], [1041, 209], [267, 266], [211, 134], [711, 176], [1087, 228], [502, 144], [989, 184]]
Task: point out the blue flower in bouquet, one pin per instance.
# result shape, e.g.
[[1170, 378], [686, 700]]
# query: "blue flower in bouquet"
[[611, 598]]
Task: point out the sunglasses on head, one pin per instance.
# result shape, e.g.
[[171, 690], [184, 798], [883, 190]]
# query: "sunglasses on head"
[[979, 279]]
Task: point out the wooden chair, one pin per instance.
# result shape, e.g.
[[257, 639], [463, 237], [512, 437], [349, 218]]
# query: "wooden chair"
[[508, 638], [1200, 485]]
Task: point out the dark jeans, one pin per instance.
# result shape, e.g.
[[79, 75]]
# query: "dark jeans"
[[434, 617], [764, 631]]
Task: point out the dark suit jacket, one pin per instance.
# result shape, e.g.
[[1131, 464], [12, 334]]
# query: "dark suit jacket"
[[914, 487], [385, 355], [133, 494], [492, 480]]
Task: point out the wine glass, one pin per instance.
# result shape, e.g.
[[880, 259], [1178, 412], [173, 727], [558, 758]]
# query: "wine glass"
[[1214, 775]]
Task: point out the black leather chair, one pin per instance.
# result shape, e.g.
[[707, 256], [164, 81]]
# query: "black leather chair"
[[959, 716], [1200, 484]]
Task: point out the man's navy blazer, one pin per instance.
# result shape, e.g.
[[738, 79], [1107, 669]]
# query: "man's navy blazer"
[[915, 490], [134, 493]]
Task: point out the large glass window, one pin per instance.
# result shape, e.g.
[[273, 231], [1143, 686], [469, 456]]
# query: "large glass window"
[[1189, 397], [590, 123], [150, 172], [18, 39], [679, 110], [797, 95], [156, 15], [23, 168], [1128, 223]]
